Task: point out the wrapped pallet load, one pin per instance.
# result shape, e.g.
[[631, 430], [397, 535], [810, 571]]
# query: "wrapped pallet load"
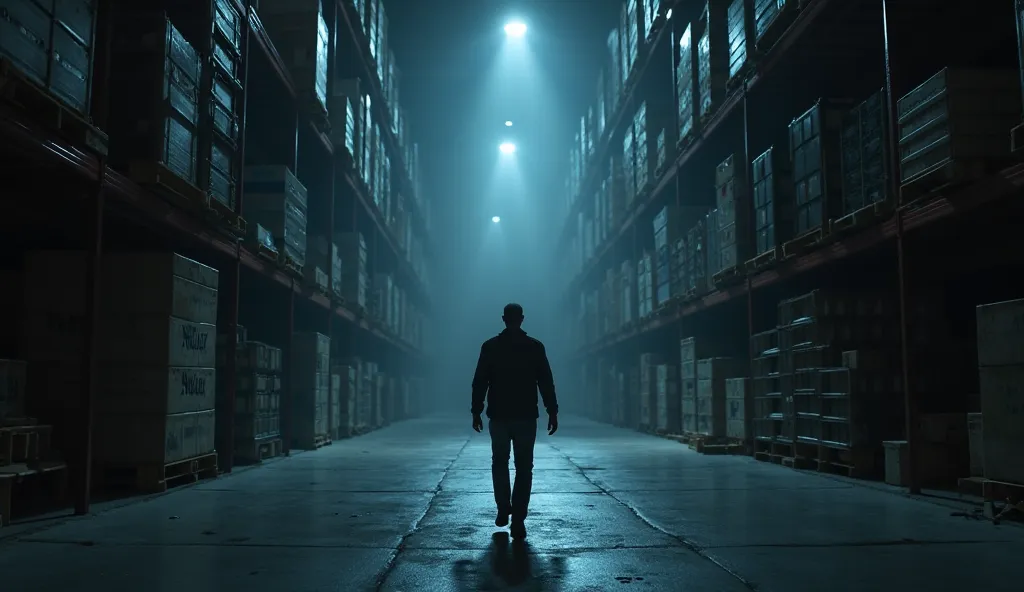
[[302, 37], [310, 388], [276, 200]]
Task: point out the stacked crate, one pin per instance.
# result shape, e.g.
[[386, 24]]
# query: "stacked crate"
[[642, 162], [367, 143], [688, 384], [678, 267], [361, 393], [712, 56], [769, 421], [772, 201], [354, 278], [696, 259], [739, 409], [837, 352], [52, 43], [378, 401], [629, 168], [666, 229], [1001, 372], [381, 307], [957, 120], [346, 111], [310, 389], [257, 398], [712, 248], [864, 152], [645, 286], [324, 265], [276, 200], [631, 23], [814, 142], [741, 38], [669, 418], [156, 355], [686, 88], [615, 78], [711, 400], [628, 300], [302, 38], [648, 392], [155, 75], [733, 228], [768, 13]]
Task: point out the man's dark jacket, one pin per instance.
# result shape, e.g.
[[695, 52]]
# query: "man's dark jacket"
[[512, 367]]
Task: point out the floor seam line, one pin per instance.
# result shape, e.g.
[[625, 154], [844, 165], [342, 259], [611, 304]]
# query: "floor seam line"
[[681, 540], [389, 566]]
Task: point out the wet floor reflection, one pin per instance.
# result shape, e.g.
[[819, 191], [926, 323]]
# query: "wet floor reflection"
[[510, 565]]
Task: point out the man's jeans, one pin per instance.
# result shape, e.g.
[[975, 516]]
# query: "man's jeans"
[[507, 435]]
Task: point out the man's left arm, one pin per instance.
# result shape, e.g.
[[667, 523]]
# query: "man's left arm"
[[481, 381]]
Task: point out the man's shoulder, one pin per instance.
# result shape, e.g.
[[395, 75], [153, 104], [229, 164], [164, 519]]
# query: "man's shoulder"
[[490, 342]]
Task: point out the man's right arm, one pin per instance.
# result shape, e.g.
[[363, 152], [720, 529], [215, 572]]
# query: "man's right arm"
[[546, 382], [481, 381]]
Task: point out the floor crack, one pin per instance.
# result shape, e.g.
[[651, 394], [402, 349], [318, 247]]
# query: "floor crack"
[[389, 566], [690, 545]]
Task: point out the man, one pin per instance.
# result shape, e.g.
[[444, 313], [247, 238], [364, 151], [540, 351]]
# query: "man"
[[511, 368]]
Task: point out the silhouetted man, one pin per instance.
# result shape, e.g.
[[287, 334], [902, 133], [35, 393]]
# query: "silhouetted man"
[[512, 367]]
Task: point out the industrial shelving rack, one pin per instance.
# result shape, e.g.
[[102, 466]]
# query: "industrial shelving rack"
[[115, 203], [730, 128]]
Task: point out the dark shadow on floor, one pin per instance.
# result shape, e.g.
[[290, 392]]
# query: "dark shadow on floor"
[[510, 565]]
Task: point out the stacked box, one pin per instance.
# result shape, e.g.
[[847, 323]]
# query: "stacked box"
[[354, 274], [1001, 372], [155, 94], [629, 292], [678, 267], [324, 269], [310, 388], [686, 87], [368, 142], [615, 77], [696, 259], [688, 384], [668, 400], [302, 38], [741, 36], [645, 286], [733, 227], [772, 200], [257, 415], [713, 257], [156, 354], [814, 141], [346, 110], [648, 391], [957, 116], [711, 401], [766, 14], [276, 200], [642, 162], [632, 21], [382, 302], [712, 56], [343, 400], [666, 230], [378, 413], [739, 408], [865, 147], [629, 165], [53, 45], [12, 389], [381, 54]]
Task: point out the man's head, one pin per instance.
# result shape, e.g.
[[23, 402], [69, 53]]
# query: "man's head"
[[513, 316]]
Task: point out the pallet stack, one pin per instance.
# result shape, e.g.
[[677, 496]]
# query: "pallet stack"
[[865, 152], [257, 402], [739, 409], [302, 38], [712, 56], [324, 266], [346, 110], [647, 399], [814, 144], [770, 410], [741, 40], [669, 413], [354, 274], [712, 374], [686, 88], [310, 389], [733, 228], [688, 384], [276, 200], [772, 205]]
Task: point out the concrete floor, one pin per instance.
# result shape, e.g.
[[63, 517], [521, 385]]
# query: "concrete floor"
[[408, 508]]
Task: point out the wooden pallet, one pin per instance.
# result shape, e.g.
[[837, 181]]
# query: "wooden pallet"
[[263, 251], [157, 478], [180, 192], [30, 98], [780, 453], [257, 451], [803, 243], [729, 277], [14, 474], [854, 463], [290, 265], [228, 218], [859, 219], [24, 443], [321, 441], [947, 175], [764, 260]]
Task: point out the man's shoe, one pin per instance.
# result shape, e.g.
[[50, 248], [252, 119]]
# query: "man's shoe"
[[518, 529], [502, 519]]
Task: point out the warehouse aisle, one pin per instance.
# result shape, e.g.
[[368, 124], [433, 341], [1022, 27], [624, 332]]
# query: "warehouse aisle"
[[408, 508]]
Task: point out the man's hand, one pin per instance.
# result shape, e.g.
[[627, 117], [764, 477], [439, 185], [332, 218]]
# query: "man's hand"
[[552, 424], [478, 423]]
